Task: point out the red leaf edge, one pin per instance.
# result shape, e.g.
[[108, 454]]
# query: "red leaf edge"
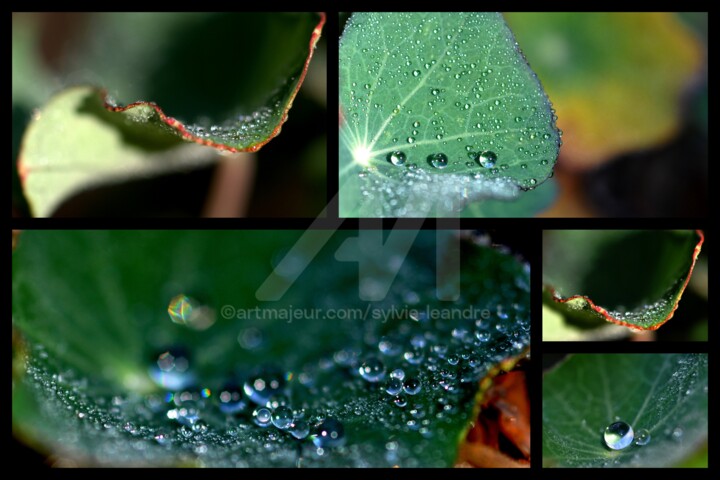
[[612, 319]]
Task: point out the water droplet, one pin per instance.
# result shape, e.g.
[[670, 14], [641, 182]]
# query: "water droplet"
[[434, 91], [414, 356], [282, 417], [412, 386], [618, 435], [642, 437], [171, 369], [677, 434], [533, 181], [416, 124], [299, 429], [162, 437], [372, 370], [389, 347], [393, 386], [187, 413], [250, 338], [396, 158], [416, 73], [487, 159], [330, 433], [262, 417], [398, 373], [438, 160], [187, 311], [400, 400], [410, 140], [259, 388], [231, 399]]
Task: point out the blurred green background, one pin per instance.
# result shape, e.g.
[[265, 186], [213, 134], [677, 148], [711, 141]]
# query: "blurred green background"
[[631, 95]]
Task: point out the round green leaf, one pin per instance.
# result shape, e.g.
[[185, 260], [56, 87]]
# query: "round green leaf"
[[664, 394], [453, 95]]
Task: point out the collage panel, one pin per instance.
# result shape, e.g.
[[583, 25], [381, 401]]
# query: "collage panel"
[[271, 348], [523, 114], [140, 114], [643, 410], [643, 285]]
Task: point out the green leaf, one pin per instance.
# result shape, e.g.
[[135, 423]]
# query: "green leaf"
[[91, 311], [233, 93], [616, 78], [76, 143], [428, 84], [665, 394], [527, 205], [633, 278]]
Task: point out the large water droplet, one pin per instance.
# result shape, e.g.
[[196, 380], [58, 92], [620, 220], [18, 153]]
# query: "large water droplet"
[[396, 158], [487, 159], [393, 386], [618, 435], [438, 160], [187, 311], [231, 399], [414, 355], [259, 388], [330, 433], [262, 417], [372, 370], [282, 417], [299, 429], [171, 369], [642, 437], [412, 386]]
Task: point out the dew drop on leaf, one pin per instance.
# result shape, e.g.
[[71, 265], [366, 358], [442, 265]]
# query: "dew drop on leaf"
[[262, 417], [372, 370], [642, 437], [438, 160], [330, 433], [487, 159], [396, 158], [618, 435]]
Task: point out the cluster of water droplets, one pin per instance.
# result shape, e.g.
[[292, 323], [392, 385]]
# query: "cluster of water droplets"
[[421, 193], [408, 380], [412, 377], [246, 128], [455, 98], [645, 315]]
